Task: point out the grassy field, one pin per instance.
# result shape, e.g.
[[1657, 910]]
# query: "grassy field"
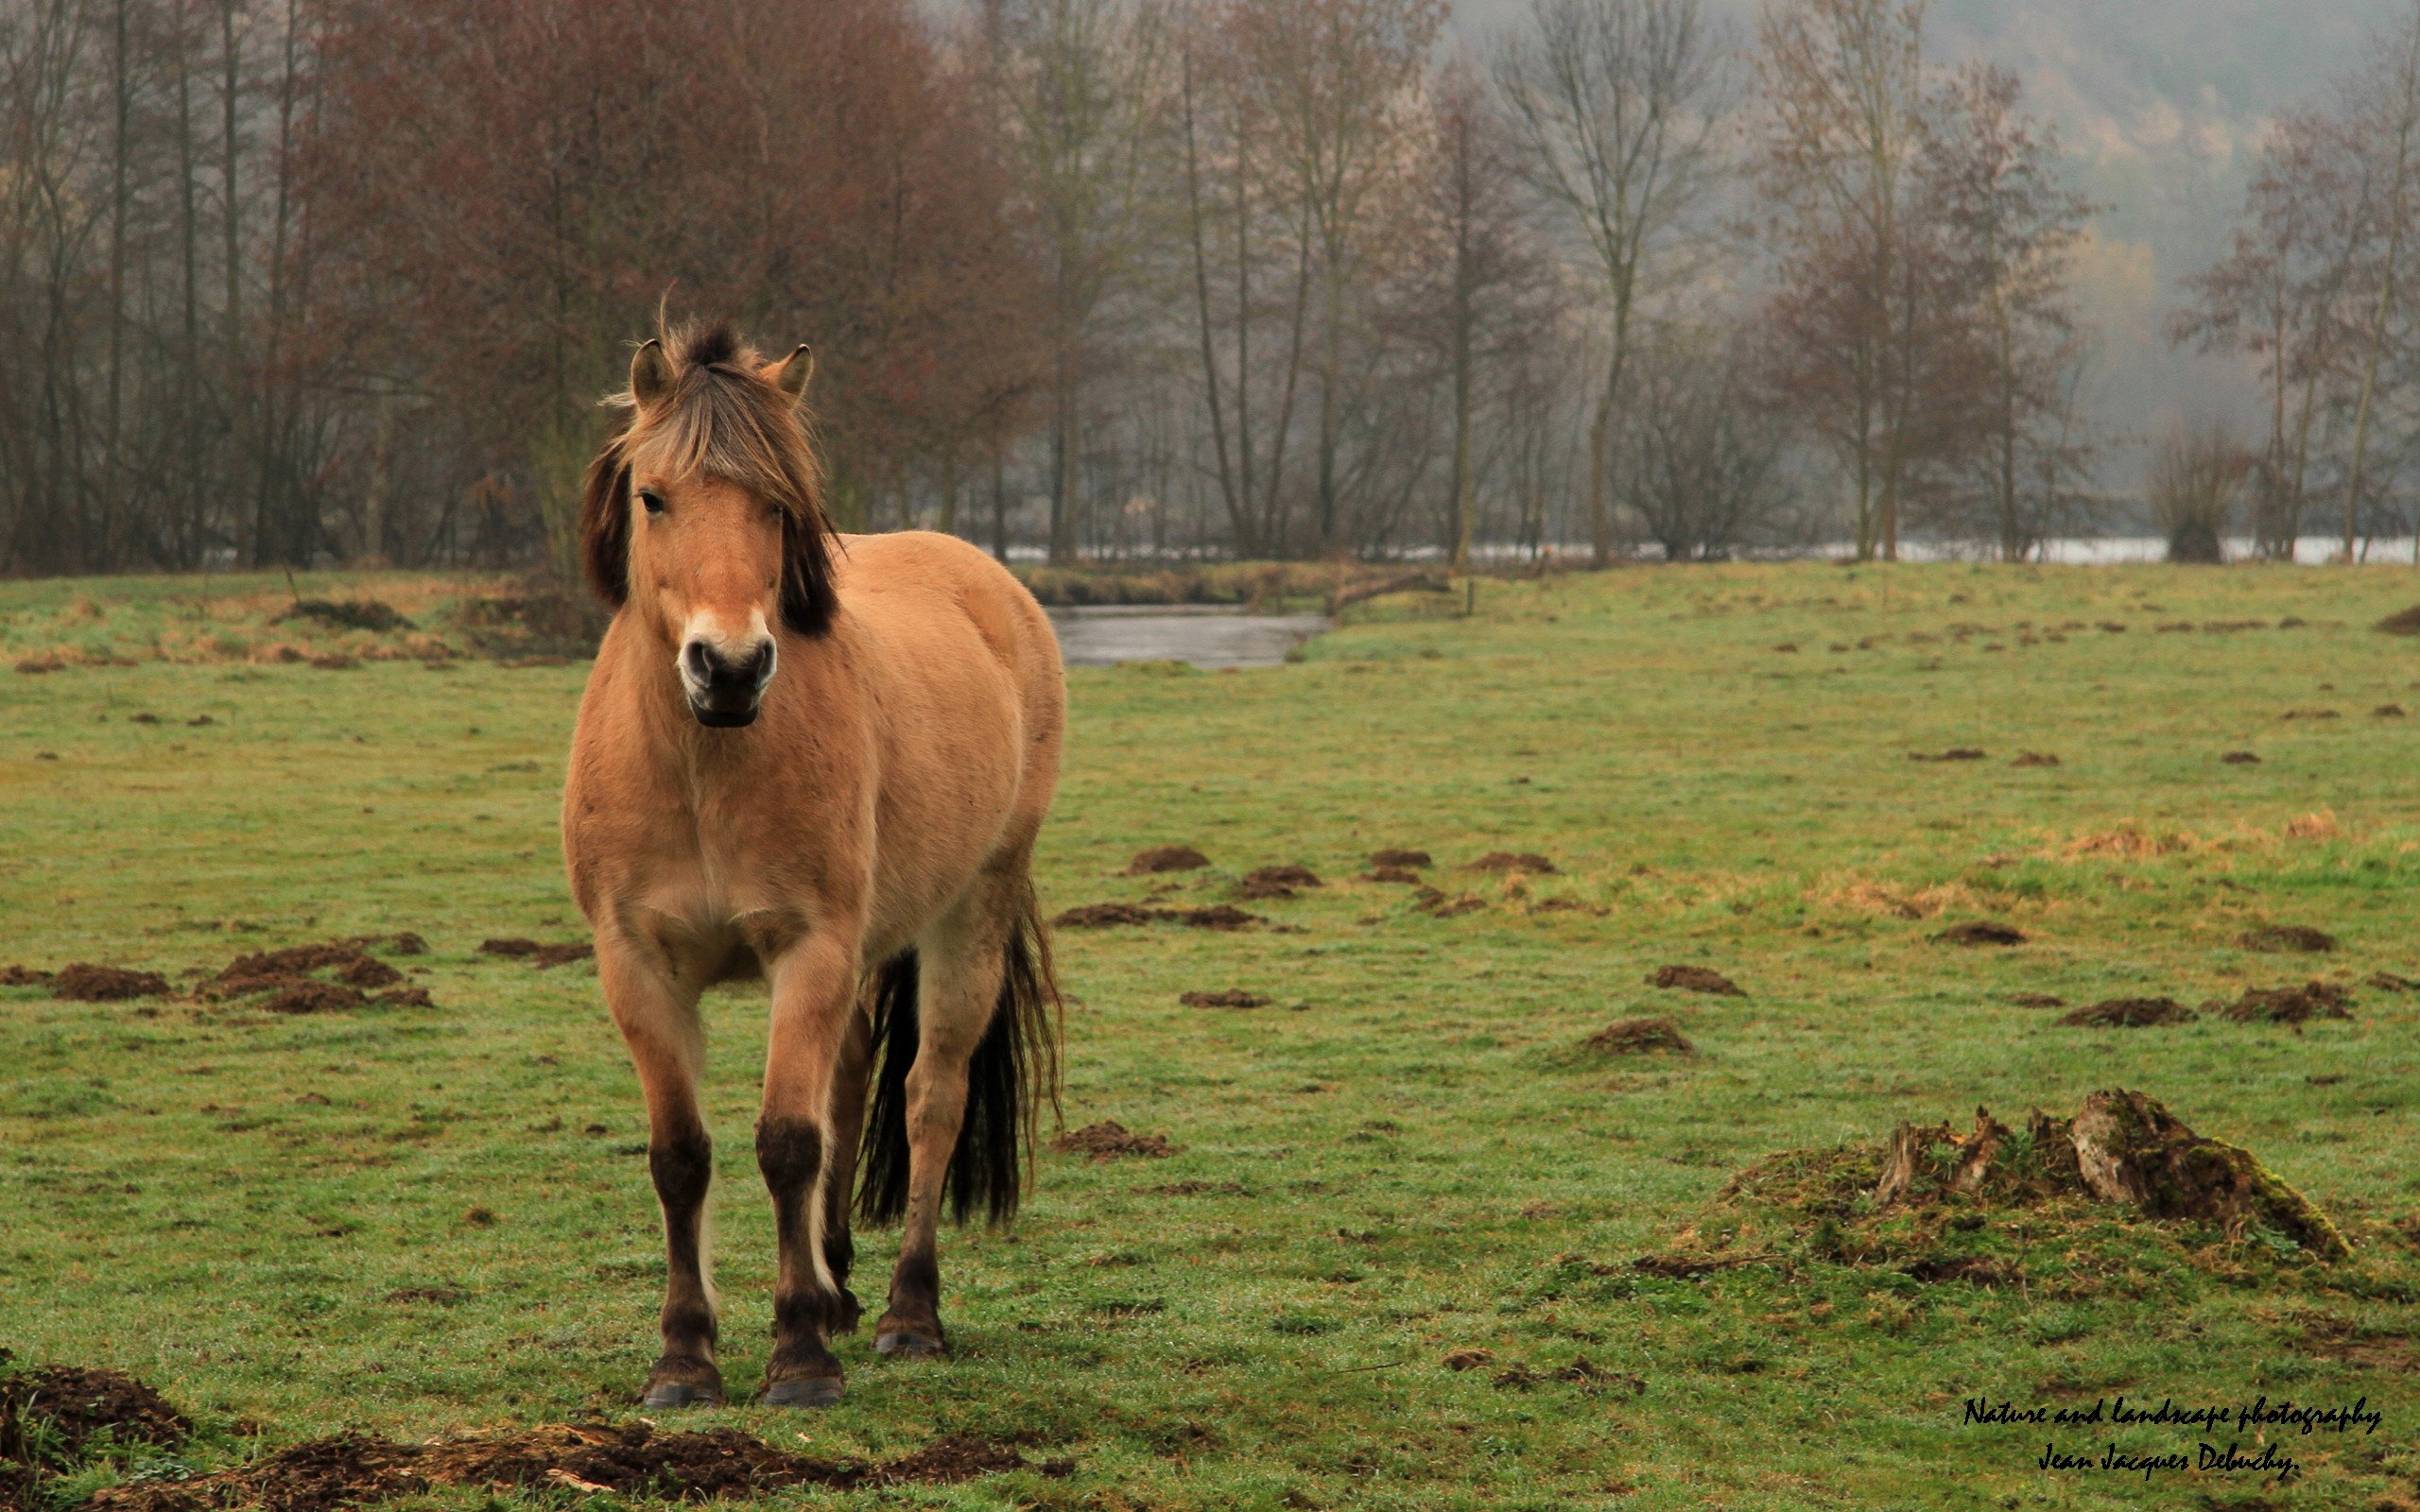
[[415, 1221]]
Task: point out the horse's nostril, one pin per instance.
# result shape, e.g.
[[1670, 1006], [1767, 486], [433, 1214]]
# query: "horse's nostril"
[[760, 665], [699, 660]]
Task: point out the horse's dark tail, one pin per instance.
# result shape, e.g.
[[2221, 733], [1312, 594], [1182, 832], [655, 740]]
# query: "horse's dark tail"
[[1014, 1070]]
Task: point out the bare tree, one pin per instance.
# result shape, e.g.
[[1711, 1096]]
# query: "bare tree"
[[2195, 484], [1618, 107], [1710, 462], [1842, 86]]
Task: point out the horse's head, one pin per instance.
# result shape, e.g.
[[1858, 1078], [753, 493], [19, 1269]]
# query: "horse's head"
[[703, 516]]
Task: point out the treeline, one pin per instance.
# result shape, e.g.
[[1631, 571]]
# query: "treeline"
[[295, 281]]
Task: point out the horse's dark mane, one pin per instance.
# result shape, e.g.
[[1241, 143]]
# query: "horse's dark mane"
[[721, 419], [705, 343]]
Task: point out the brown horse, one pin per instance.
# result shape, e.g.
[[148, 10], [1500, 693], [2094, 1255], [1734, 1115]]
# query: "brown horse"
[[822, 761]]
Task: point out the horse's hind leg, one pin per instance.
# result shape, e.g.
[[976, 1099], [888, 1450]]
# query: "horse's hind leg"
[[658, 1017], [963, 965]]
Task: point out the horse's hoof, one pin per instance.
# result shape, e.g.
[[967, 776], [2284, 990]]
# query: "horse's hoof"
[[803, 1391], [909, 1342], [680, 1394]]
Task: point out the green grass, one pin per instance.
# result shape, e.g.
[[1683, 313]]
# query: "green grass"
[[1405, 1155]]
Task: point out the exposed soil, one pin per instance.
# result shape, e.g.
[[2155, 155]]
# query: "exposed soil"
[[2122, 1149], [369, 971], [24, 976], [346, 614], [83, 982], [2286, 1004], [2310, 714], [1400, 858], [1222, 917], [2282, 939], [2129, 1013], [309, 996], [2389, 710], [1166, 858], [290, 978], [1695, 979], [2241, 758], [1110, 1140], [1106, 915], [2038, 1000], [1640, 1037], [536, 954], [2034, 758], [2389, 982], [1528, 861], [1443, 906], [72, 1405], [1393, 874], [1955, 753], [1233, 997], [544, 623], [1269, 882], [2405, 623], [628, 1459], [1196, 1189], [1981, 933]]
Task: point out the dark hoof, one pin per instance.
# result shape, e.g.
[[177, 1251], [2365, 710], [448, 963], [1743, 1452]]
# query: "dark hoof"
[[682, 1394], [803, 1391], [908, 1341]]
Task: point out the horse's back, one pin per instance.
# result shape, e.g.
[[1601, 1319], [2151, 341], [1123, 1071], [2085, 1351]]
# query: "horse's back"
[[953, 634]]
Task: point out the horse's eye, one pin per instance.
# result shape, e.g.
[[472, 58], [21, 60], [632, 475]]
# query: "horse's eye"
[[653, 501]]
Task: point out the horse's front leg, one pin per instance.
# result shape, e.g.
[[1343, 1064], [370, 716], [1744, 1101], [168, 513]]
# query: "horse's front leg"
[[656, 1009], [799, 1147]]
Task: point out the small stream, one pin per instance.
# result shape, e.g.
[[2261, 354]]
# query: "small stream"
[[1210, 636]]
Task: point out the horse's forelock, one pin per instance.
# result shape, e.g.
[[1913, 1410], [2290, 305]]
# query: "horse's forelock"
[[723, 422]]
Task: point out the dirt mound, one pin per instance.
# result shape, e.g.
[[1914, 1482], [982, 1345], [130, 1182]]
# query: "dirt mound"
[[1276, 882], [1233, 997], [2128, 1013], [1695, 979], [50, 1410], [1528, 861], [2406, 623], [1394, 874], [2281, 939], [1925, 1194], [2034, 758], [83, 982], [1955, 753], [2241, 758], [2389, 982], [367, 973], [1109, 1139], [1162, 858], [309, 996], [536, 954], [26, 976], [1438, 904], [630, 1459], [1580, 1372], [2038, 1000], [1640, 1037], [290, 978], [346, 614], [1981, 933], [1400, 858], [2286, 1004], [2389, 710], [544, 623], [1222, 917]]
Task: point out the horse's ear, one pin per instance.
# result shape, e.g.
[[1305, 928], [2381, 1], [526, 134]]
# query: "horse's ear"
[[605, 525], [790, 374], [807, 597], [650, 374]]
